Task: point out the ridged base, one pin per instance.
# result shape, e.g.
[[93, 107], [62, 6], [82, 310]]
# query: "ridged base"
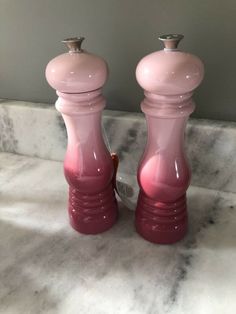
[[92, 214], [162, 223]]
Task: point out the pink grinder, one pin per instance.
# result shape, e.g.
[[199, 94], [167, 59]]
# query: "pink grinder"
[[168, 78], [78, 77]]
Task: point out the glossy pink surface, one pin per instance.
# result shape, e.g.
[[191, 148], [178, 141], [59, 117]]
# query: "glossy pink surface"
[[168, 78], [76, 72], [169, 72], [88, 165]]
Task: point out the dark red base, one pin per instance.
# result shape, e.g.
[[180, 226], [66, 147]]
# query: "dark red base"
[[163, 223], [92, 214]]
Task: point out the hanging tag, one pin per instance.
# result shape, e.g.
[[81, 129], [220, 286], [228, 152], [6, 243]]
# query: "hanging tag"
[[115, 160]]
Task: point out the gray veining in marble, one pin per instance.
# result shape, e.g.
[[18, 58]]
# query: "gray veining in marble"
[[38, 130], [46, 267], [7, 137], [32, 130]]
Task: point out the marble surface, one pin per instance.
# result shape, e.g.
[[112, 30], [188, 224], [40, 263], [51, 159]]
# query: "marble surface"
[[46, 267], [38, 130]]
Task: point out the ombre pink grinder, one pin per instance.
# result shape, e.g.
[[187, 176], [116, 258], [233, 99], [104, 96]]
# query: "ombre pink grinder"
[[78, 77], [168, 78]]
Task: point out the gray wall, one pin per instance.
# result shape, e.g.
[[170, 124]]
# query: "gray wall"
[[122, 31]]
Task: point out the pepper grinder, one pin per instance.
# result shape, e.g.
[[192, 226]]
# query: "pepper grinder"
[[78, 77], [168, 78]]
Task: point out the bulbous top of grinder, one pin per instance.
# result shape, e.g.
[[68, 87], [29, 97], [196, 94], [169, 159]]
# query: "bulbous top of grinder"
[[170, 71], [76, 71]]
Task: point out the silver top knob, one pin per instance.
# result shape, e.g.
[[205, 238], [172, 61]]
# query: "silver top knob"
[[171, 41], [74, 44]]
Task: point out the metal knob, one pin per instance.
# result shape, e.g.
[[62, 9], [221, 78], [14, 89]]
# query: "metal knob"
[[171, 41], [74, 44]]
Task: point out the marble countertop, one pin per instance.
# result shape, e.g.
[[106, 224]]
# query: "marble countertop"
[[46, 267]]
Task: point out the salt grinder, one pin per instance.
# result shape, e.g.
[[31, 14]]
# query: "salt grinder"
[[168, 78], [78, 77]]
